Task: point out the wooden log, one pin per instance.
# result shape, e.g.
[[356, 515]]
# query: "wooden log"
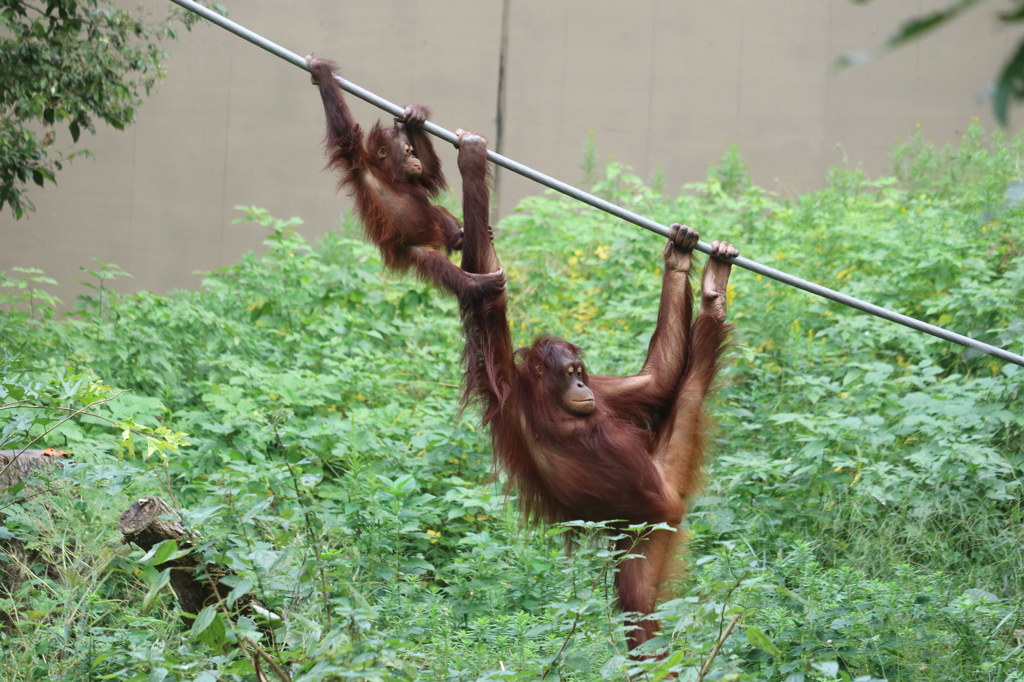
[[141, 524], [15, 467]]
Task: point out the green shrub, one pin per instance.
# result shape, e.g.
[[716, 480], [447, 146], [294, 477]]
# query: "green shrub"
[[862, 516]]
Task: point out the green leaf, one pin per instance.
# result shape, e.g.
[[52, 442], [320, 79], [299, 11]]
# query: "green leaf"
[[259, 309], [416, 566], [1010, 85], [1013, 15], [759, 639], [161, 581], [204, 619], [239, 591], [99, 659], [75, 130], [578, 660], [215, 634], [160, 552], [829, 668], [914, 28], [928, 22]]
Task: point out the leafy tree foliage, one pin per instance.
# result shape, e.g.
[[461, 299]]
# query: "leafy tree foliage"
[[1008, 87], [64, 64]]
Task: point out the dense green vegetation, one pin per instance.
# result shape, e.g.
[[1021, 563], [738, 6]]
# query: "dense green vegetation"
[[862, 516]]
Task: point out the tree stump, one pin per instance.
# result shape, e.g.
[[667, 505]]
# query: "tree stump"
[[15, 467], [141, 524]]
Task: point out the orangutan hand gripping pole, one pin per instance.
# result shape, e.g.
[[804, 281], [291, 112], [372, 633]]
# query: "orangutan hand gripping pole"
[[598, 448], [392, 177]]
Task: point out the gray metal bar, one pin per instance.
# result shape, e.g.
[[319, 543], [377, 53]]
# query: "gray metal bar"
[[609, 207]]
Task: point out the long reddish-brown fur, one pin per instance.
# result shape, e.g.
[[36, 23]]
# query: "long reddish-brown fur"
[[395, 207], [636, 457]]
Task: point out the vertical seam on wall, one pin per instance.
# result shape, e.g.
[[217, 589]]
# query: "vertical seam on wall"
[[499, 115], [561, 76], [650, 87], [224, 175], [826, 151], [131, 192], [739, 80], [917, 71], [411, 84]]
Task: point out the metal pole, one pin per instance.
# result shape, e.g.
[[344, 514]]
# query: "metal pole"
[[609, 207]]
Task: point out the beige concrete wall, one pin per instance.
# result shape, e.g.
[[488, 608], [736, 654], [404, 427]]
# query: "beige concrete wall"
[[659, 83]]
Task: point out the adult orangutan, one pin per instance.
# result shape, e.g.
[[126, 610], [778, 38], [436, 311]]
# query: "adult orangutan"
[[598, 448], [392, 176]]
